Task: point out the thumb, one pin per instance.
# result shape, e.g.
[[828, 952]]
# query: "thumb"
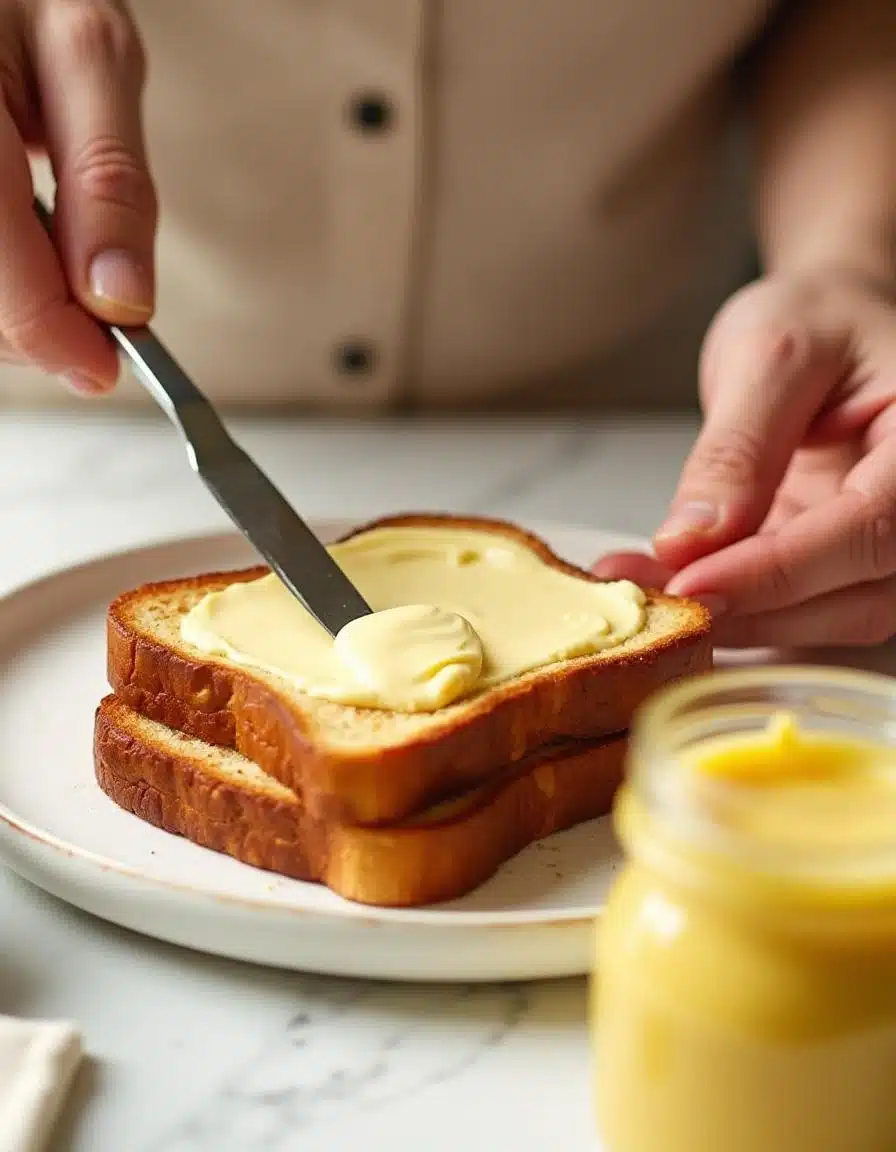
[[90, 72], [765, 373]]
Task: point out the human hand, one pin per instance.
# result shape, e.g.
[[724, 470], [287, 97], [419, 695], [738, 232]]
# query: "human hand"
[[72, 75], [784, 522]]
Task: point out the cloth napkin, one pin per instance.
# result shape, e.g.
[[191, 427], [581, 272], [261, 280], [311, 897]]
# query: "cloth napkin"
[[38, 1061]]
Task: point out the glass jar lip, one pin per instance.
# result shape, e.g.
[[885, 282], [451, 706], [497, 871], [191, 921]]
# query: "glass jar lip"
[[808, 689], [661, 708]]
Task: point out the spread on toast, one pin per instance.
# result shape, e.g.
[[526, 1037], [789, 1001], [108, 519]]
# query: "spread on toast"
[[372, 766], [457, 610]]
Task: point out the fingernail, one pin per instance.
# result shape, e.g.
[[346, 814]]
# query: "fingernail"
[[83, 385], [690, 519], [117, 277]]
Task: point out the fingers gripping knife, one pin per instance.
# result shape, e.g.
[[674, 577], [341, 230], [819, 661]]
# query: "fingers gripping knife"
[[248, 497]]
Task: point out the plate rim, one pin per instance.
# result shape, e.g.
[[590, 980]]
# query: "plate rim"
[[363, 915]]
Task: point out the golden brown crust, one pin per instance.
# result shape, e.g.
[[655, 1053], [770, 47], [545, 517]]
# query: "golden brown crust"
[[231, 707], [166, 784], [172, 793]]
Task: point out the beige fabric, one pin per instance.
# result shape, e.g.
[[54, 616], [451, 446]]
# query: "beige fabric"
[[38, 1061], [552, 190]]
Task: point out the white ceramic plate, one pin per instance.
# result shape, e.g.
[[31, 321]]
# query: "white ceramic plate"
[[534, 919]]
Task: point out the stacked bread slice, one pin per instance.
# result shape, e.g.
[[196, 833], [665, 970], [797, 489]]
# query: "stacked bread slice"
[[385, 808]]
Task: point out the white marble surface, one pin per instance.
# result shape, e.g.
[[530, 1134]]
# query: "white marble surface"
[[193, 1054]]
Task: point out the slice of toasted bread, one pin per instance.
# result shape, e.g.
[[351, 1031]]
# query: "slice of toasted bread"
[[366, 766], [220, 800]]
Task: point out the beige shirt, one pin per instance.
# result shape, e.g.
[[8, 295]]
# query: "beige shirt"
[[371, 203]]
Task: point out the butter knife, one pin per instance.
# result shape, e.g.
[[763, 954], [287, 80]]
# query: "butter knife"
[[253, 503]]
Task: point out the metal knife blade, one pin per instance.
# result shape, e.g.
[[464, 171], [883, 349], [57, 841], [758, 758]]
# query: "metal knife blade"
[[253, 503]]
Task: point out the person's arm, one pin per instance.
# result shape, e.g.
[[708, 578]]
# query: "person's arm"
[[825, 115]]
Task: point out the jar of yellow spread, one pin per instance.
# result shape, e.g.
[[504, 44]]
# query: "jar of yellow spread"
[[746, 991]]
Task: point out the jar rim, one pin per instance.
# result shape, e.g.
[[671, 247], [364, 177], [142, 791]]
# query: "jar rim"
[[844, 702], [660, 708]]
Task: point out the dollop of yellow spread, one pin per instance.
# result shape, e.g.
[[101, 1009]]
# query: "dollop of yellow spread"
[[788, 786], [456, 611]]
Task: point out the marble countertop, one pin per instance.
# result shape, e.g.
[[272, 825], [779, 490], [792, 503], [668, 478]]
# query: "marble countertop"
[[196, 1054], [72, 485]]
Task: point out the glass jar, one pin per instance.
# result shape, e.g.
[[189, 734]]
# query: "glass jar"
[[746, 995]]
